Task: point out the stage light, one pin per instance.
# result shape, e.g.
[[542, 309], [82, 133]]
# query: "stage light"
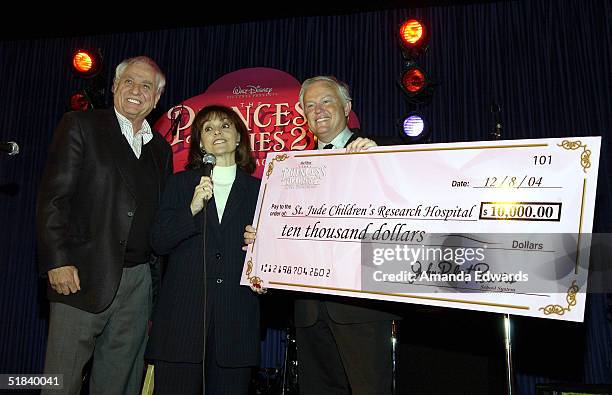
[[412, 32], [416, 85], [80, 102], [85, 63], [413, 38], [82, 62], [415, 127], [414, 80]]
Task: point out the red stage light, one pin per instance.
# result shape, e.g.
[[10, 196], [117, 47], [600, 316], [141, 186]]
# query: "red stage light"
[[412, 33], [79, 102], [413, 37], [86, 63], [82, 62], [413, 81]]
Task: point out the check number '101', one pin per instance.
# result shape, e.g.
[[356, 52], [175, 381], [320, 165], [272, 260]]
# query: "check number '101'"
[[542, 160]]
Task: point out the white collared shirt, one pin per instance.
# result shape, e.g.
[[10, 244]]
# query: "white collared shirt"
[[138, 139], [339, 141]]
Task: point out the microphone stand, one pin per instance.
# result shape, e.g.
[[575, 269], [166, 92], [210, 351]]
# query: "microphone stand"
[[496, 135], [497, 128], [204, 214], [394, 345], [209, 163], [175, 123], [508, 347]]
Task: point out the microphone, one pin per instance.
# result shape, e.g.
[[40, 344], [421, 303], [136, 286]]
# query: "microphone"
[[9, 147], [209, 162]]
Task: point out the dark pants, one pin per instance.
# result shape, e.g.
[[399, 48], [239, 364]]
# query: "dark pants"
[[344, 358], [115, 337], [186, 378]]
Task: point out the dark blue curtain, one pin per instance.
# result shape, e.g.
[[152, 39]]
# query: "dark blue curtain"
[[547, 63]]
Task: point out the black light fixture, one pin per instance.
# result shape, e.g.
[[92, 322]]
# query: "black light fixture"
[[414, 81], [88, 65]]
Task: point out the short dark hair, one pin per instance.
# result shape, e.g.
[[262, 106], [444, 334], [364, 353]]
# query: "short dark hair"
[[244, 159]]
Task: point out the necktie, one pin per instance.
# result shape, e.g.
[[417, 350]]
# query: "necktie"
[[328, 146]]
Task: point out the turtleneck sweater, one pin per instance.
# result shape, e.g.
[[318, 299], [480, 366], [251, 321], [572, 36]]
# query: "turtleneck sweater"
[[222, 178]]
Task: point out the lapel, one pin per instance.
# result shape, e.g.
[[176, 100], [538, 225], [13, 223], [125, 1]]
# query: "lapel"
[[235, 198], [211, 212], [353, 137], [158, 163], [115, 139]]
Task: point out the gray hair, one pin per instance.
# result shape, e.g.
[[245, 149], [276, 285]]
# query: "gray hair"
[[341, 88], [159, 75]]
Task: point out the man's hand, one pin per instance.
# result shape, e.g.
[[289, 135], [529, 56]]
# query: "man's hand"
[[360, 144], [65, 280], [249, 236]]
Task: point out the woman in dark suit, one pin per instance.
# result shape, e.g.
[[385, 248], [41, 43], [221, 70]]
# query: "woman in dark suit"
[[230, 337]]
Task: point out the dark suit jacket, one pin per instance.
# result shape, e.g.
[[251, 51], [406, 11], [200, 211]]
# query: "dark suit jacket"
[[341, 310], [178, 319], [86, 204]]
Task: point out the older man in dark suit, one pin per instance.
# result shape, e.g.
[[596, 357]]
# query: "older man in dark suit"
[[343, 344], [100, 190]]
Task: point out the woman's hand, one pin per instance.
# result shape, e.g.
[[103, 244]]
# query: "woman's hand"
[[201, 194]]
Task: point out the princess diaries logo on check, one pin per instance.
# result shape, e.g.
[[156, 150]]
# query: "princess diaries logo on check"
[[304, 175]]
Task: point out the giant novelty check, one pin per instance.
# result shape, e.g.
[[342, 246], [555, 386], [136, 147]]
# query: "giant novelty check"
[[498, 226]]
